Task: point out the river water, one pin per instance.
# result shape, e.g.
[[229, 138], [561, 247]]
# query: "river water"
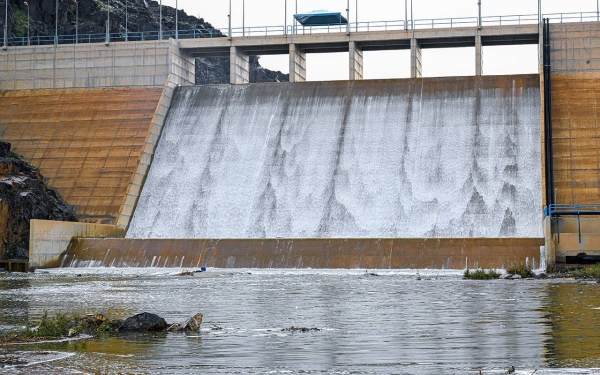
[[398, 322]]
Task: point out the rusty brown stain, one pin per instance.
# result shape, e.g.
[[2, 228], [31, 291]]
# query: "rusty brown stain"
[[434, 253]]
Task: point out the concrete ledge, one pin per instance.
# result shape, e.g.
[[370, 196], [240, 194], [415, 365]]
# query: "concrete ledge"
[[49, 239], [376, 253]]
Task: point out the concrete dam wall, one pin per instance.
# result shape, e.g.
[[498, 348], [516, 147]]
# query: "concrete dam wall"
[[448, 157], [87, 143]]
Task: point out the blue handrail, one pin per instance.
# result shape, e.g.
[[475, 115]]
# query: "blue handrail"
[[571, 209]]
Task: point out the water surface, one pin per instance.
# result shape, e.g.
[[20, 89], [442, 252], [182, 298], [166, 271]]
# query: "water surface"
[[398, 322]]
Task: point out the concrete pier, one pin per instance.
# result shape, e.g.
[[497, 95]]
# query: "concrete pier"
[[297, 64]]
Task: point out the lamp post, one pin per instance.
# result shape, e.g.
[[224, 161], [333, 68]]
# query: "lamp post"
[[348, 17], [28, 39], [356, 18], [126, 21], [229, 19], [5, 25], [479, 16], [56, 24], [76, 21], [107, 21], [539, 11], [243, 17], [160, 22], [285, 17], [176, 21], [405, 14]]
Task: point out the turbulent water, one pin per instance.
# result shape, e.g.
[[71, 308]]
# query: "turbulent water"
[[427, 158], [395, 323]]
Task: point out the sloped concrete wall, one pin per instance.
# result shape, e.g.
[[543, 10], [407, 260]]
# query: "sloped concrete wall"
[[87, 143]]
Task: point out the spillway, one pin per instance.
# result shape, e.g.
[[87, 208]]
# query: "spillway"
[[447, 157]]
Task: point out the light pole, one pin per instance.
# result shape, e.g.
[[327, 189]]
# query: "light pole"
[[412, 20], [285, 17], [160, 22], [5, 25], [539, 11], [107, 21], [356, 12], [597, 10], [28, 39], [348, 18], [126, 21], [76, 21], [176, 21], [229, 19], [479, 16], [56, 24], [243, 17], [405, 14]]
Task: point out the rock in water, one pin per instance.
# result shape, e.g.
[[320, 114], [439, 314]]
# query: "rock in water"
[[143, 322], [192, 324]]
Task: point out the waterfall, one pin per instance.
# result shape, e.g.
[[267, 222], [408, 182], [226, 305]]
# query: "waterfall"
[[453, 157]]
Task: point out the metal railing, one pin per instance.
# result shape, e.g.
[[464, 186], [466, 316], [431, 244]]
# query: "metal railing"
[[572, 209], [526, 19]]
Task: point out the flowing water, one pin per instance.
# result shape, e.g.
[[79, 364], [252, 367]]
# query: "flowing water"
[[399, 322], [456, 157]]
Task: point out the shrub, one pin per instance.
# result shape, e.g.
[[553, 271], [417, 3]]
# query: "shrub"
[[480, 274], [590, 272], [520, 269]]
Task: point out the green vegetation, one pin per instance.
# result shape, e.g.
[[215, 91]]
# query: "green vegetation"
[[61, 326], [20, 22], [520, 269], [592, 272], [480, 274]]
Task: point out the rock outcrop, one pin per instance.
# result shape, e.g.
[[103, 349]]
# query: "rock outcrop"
[[24, 196]]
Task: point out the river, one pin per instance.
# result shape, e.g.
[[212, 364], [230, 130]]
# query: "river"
[[393, 322]]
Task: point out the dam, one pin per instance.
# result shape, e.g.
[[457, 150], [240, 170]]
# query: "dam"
[[406, 173]]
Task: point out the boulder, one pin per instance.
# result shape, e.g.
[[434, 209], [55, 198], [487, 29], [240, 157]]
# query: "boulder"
[[192, 324], [143, 322]]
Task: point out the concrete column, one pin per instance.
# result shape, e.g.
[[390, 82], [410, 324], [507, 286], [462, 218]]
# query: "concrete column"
[[239, 67], [356, 62], [416, 67], [478, 55], [297, 64], [550, 245]]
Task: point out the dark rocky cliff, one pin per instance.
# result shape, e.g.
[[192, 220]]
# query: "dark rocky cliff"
[[142, 15], [24, 196]]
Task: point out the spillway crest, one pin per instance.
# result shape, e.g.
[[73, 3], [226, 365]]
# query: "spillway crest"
[[451, 157]]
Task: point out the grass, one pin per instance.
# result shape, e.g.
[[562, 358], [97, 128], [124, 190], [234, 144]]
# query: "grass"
[[592, 272], [481, 274], [58, 327], [520, 269]]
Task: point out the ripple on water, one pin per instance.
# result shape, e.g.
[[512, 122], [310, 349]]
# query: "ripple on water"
[[368, 325]]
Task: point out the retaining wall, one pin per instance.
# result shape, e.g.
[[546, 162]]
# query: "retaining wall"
[[444, 253]]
